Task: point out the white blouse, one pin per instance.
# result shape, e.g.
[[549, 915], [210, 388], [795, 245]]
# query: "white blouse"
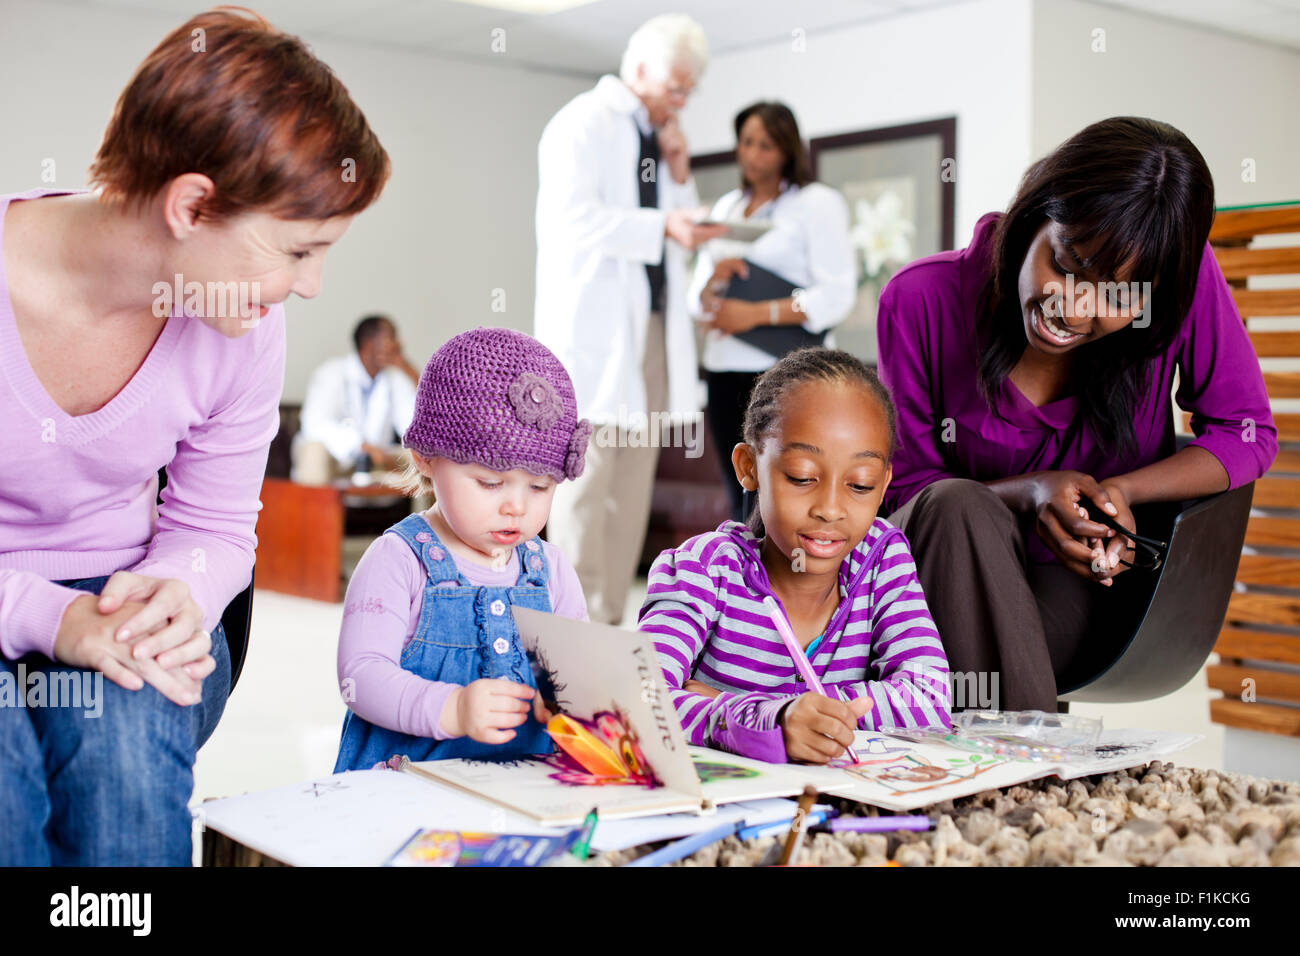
[[808, 245]]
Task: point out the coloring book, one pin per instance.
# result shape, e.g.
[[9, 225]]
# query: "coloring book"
[[622, 750], [904, 771], [608, 684]]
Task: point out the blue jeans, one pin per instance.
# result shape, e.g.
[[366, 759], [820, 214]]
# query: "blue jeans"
[[109, 789]]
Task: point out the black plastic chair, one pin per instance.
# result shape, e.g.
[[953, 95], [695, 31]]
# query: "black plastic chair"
[[236, 619], [1183, 616]]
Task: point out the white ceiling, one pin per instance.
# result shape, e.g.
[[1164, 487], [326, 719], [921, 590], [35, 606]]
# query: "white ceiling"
[[1273, 21], [589, 39]]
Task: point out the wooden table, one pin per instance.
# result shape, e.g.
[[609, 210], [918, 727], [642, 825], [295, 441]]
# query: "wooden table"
[[300, 535]]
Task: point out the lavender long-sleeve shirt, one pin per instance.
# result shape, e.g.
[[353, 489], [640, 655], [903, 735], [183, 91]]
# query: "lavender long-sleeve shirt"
[[929, 356], [78, 493], [704, 608], [380, 614]]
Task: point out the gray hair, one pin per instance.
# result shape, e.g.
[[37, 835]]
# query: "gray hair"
[[663, 42]]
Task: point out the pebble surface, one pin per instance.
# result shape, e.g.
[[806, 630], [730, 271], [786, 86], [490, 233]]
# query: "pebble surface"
[[1155, 815]]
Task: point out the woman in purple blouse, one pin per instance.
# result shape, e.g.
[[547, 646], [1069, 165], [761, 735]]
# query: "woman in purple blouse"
[[1036, 367]]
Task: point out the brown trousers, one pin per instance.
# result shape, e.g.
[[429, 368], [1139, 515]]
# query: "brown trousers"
[[1036, 626], [599, 519]]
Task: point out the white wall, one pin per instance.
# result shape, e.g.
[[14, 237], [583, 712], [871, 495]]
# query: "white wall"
[[455, 222], [970, 60], [1234, 98]]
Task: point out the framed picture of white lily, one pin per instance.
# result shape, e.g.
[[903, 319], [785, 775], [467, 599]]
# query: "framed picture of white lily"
[[900, 187]]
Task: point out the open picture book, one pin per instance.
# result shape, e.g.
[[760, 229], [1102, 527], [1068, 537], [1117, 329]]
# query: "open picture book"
[[621, 749]]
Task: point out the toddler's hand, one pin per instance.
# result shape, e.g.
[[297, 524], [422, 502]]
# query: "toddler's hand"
[[541, 711], [486, 710], [817, 729]]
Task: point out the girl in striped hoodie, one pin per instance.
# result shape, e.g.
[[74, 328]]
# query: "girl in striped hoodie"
[[819, 435]]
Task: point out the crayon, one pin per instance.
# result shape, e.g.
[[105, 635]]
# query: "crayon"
[[873, 824], [582, 848]]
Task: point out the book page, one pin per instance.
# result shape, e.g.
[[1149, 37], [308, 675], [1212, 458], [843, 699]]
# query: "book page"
[[726, 777], [1121, 749], [358, 818], [603, 669], [530, 786], [902, 772]]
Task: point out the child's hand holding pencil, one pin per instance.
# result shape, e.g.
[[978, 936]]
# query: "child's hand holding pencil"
[[818, 729]]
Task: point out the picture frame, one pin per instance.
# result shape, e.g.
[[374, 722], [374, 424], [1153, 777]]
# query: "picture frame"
[[900, 186], [716, 174]]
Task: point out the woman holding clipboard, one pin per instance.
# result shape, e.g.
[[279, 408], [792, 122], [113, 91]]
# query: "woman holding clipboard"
[[784, 290]]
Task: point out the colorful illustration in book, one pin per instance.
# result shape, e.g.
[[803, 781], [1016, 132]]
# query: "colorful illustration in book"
[[549, 687], [909, 772], [709, 770], [600, 752], [877, 750]]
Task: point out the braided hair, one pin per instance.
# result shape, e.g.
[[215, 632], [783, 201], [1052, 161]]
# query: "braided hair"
[[768, 399]]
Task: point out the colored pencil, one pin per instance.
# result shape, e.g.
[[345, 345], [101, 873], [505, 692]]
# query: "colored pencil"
[[687, 845], [776, 826], [796, 651]]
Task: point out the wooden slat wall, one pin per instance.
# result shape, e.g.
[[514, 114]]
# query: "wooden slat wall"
[[1262, 626]]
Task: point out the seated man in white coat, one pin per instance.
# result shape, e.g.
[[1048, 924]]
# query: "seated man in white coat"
[[616, 213], [357, 407]]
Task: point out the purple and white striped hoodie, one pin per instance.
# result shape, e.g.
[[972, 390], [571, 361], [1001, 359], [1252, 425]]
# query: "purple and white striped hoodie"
[[704, 608]]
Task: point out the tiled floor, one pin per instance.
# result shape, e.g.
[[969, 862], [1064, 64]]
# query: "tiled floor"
[[282, 723]]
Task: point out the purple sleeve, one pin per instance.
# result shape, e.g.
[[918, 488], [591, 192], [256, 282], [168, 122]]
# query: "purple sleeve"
[[904, 323], [204, 535], [31, 609], [912, 685], [567, 599], [380, 612], [1220, 381], [683, 601]]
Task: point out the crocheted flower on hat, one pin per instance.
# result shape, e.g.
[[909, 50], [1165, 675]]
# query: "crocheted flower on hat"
[[575, 459], [535, 401]]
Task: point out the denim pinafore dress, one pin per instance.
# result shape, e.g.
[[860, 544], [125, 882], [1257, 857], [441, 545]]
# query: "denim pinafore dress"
[[464, 633]]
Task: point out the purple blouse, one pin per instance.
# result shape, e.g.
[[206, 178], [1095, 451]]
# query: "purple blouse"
[[929, 357]]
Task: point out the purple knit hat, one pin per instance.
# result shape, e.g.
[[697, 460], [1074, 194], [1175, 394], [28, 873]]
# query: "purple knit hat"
[[499, 398]]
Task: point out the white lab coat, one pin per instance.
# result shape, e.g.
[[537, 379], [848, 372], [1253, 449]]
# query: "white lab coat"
[[337, 413], [593, 242]]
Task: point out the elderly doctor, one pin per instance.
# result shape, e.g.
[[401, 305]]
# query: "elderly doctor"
[[616, 213]]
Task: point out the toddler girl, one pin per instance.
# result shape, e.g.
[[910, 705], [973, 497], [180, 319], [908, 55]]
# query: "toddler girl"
[[429, 659], [819, 435]]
